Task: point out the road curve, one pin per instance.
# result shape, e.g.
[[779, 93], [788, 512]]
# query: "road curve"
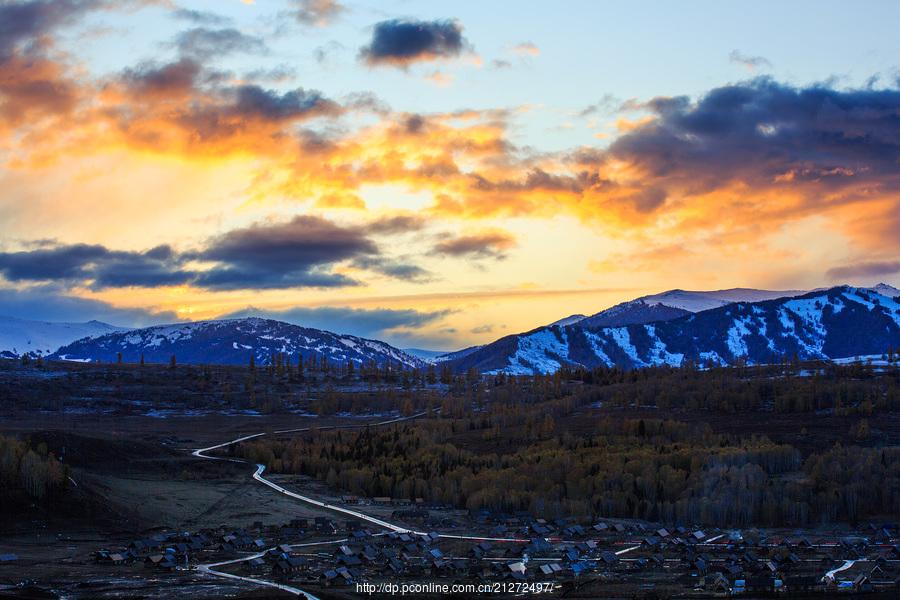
[[210, 570], [353, 513], [257, 475], [830, 574]]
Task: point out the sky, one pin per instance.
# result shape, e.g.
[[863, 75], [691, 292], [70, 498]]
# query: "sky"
[[437, 174]]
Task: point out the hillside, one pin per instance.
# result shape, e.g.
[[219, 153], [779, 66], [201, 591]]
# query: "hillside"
[[232, 342], [835, 323]]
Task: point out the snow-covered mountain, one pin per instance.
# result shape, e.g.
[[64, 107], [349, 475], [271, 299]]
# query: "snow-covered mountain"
[[835, 323], [22, 336], [633, 312], [232, 341], [426, 355]]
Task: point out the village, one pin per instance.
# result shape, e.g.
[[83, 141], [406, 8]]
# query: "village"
[[603, 559]]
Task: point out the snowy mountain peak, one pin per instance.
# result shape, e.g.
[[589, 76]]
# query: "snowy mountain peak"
[[886, 290]]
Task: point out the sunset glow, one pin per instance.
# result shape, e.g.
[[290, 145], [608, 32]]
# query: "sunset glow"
[[165, 161]]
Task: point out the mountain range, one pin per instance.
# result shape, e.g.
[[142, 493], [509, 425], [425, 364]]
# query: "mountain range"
[[706, 327], [673, 327]]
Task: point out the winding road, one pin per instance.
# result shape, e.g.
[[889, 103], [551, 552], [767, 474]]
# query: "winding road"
[[210, 568]]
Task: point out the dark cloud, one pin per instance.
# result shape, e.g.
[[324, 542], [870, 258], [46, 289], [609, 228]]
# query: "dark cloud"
[[864, 270], [492, 244], [538, 179], [648, 200], [396, 224], [751, 63], [256, 102], [297, 253], [94, 265], [53, 303], [205, 43], [482, 329], [239, 278], [27, 22], [175, 79], [154, 268], [292, 254], [372, 323], [205, 110], [401, 43], [394, 269], [201, 17], [766, 135], [62, 262], [414, 123], [316, 12]]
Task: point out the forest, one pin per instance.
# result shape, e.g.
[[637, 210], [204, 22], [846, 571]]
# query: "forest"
[[540, 444]]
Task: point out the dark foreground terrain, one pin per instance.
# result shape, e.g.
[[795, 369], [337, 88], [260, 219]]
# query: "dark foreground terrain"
[[778, 481]]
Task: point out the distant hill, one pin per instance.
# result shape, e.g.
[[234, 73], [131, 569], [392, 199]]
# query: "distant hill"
[[40, 338], [232, 342], [835, 323], [426, 355], [458, 354]]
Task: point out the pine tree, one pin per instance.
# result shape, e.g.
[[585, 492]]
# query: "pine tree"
[[172, 362]]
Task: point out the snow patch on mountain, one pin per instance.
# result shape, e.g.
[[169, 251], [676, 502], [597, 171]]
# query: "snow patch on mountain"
[[659, 353], [539, 352]]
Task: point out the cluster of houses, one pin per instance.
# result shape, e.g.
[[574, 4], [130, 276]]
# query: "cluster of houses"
[[523, 548], [168, 551], [165, 551]]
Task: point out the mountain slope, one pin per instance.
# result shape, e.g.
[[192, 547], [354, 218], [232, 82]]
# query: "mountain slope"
[[634, 312], [834, 323], [22, 336], [231, 342]]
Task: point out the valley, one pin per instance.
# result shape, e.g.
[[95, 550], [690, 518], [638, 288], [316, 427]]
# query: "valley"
[[332, 449]]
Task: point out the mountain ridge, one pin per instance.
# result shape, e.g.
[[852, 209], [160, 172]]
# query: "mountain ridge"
[[233, 341], [824, 324]]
